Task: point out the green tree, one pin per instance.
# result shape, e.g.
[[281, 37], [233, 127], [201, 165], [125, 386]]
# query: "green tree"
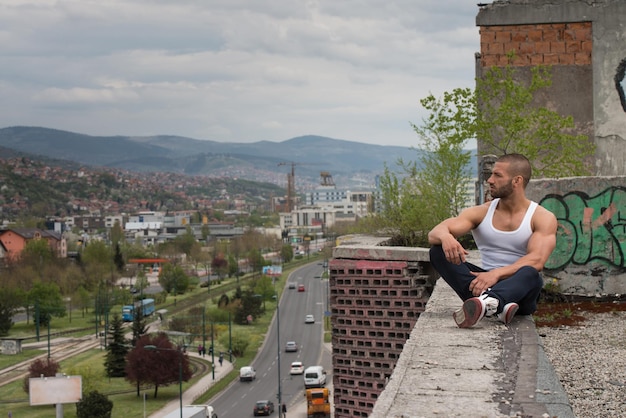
[[115, 360], [94, 405], [83, 299], [239, 340], [255, 259], [48, 302], [97, 261], [186, 242], [508, 121], [173, 279], [286, 253], [233, 266], [142, 281], [117, 233], [118, 259], [139, 327], [10, 301], [432, 187], [251, 304], [263, 286], [37, 254]]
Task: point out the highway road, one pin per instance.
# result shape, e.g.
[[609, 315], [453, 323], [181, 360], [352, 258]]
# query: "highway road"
[[239, 399]]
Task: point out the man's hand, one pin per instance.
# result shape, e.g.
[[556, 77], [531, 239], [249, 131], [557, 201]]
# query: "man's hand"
[[483, 281], [454, 251]]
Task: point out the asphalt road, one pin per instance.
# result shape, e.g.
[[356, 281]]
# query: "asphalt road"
[[239, 399]]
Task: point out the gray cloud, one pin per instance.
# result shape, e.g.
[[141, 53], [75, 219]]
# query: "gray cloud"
[[233, 70]]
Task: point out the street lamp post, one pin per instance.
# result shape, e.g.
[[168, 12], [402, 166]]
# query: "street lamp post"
[[180, 370], [280, 400]]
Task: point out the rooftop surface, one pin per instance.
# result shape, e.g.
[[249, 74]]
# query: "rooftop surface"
[[490, 370]]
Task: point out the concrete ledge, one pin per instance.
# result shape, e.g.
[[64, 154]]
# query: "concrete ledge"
[[491, 370]]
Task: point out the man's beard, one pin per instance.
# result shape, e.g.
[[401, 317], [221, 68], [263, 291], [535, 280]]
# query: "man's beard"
[[504, 191]]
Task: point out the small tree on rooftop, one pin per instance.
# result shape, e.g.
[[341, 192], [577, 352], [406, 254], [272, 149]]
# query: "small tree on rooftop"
[[508, 121], [432, 187]]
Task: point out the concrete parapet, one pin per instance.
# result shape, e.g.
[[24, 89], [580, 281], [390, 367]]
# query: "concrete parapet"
[[491, 370]]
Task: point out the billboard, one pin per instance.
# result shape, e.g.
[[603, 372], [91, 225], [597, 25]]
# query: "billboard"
[[272, 270], [54, 390]]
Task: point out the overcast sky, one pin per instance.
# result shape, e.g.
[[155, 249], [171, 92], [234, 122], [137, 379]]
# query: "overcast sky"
[[233, 70]]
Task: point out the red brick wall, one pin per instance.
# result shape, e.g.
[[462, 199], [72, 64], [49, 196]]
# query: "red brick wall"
[[542, 44], [375, 305]]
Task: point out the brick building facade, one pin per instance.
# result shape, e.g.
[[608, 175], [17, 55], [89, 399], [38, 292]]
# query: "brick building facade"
[[584, 45], [536, 44]]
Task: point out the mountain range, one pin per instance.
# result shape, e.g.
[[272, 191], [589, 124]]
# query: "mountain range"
[[307, 155]]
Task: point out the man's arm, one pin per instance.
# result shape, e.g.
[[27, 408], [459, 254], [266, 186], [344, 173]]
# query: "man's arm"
[[540, 245], [447, 232]]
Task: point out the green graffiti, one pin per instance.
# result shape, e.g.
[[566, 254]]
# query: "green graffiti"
[[590, 228]]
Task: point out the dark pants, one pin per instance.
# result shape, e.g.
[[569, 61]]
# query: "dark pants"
[[522, 287]]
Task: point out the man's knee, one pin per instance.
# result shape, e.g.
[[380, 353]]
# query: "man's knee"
[[436, 253], [532, 276]]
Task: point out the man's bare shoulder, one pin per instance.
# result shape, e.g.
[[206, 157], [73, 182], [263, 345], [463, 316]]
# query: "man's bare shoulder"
[[543, 218], [477, 211], [543, 212], [475, 214]]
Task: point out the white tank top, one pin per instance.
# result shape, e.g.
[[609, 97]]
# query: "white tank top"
[[502, 248]]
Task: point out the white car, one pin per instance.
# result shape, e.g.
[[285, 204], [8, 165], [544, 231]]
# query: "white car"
[[247, 374], [296, 368], [309, 319]]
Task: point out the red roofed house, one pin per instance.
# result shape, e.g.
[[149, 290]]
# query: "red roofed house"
[[14, 240]]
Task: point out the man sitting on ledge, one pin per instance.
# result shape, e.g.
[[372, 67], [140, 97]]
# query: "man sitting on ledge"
[[515, 237]]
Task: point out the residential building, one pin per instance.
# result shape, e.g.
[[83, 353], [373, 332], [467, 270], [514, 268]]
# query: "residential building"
[[14, 240]]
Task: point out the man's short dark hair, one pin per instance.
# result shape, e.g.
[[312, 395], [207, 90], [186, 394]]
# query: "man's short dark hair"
[[518, 166]]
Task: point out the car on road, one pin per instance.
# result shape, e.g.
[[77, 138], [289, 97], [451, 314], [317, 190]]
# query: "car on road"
[[264, 407], [291, 347], [292, 285], [247, 374], [296, 368], [309, 319], [300, 288]]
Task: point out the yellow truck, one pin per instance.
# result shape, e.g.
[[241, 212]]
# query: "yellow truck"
[[317, 402]]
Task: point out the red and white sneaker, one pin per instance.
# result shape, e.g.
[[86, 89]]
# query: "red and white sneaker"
[[508, 312], [475, 309]]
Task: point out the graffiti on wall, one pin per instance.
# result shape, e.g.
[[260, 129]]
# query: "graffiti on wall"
[[620, 82], [591, 229]]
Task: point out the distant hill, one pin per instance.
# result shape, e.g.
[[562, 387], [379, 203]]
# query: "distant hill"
[[163, 153]]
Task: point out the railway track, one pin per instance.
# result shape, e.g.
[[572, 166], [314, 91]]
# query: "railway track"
[[59, 350]]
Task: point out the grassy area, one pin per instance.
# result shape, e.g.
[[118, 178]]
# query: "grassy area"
[[90, 365]]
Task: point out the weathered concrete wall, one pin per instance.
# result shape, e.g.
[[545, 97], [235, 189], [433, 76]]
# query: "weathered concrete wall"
[[554, 33], [590, 256]]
